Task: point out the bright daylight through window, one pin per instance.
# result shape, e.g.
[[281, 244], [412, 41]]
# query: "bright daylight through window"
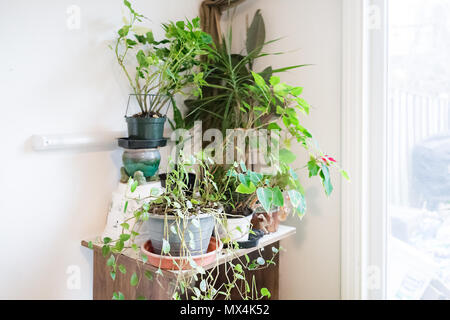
[[418, 150]]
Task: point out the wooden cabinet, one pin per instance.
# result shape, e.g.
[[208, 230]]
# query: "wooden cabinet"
[[162, 286]]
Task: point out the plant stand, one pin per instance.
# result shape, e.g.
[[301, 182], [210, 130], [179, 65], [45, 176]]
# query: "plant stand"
[[161, 287]]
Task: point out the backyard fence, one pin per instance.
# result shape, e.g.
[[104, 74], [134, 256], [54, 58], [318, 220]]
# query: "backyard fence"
[[412, 118]]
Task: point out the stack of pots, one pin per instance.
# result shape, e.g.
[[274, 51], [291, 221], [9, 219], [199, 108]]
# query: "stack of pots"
[[145, 136]]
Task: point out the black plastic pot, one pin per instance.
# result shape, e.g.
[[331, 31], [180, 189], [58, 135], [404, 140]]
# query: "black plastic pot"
[[145, 128], [190, 183]]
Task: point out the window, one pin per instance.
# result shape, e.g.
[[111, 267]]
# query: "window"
[[418, 150]]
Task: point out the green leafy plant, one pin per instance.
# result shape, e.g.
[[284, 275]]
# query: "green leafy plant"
[[162, 68]]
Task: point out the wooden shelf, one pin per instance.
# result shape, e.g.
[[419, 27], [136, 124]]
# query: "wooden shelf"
[[104, 286]]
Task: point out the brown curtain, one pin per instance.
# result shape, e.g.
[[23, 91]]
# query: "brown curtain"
[[210, 13]]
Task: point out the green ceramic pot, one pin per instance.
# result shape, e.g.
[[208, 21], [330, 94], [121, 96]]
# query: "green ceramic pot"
[[145, 128], [145, 160]]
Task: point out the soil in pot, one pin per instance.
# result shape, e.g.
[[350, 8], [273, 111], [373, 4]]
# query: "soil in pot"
[[237, 224]]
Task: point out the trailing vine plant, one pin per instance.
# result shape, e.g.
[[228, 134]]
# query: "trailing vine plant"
[[181, 203]]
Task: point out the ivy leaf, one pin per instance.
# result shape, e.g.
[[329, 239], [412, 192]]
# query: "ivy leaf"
[[261, 261], [134, 279], [265, 197], [265, 292], [203, 285], [105, 250], [113, 275], [118, 296], [122, 269], [148, 275], [166, 246], [111, 261]]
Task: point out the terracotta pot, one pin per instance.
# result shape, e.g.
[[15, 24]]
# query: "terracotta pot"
[[177, 263], [266, 221]]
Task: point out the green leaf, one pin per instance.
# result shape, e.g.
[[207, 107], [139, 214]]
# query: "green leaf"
[[297, 91], [134, 186], [313, 168], [203, 285], [141, 298], [105, 250], [287, 156], [90, 245], [119, 246], [166, 246], [265, 197], [124, 237], [274, 80], [238, 268], [278, 199], [106, 240], [118, 296], [125, 207], [273, 126], [149, 36], [144, 258], [259, 80], [345, 175], [134, 279], [113, 275], [265, 292], [297, 201], [122, 269], [148, 275], [261, 261], [110, 262], [246, 190], [256, 33], [325, 175], [125, 225], [123, 31]]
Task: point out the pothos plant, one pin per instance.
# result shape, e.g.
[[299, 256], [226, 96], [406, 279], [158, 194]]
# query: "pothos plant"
[[162, 68], [180, 202], [276, 104]]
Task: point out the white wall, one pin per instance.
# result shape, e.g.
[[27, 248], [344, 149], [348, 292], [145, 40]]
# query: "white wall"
[[55, 80], [311, 31]]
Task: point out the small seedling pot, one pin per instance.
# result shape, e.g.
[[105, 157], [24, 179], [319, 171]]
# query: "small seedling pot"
[[196, 233], [145, 128], [234, 228]]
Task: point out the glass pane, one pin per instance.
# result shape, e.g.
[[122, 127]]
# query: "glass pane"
[[419, 150]]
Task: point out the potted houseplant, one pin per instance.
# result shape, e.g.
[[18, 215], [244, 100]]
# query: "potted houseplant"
[[181, 221], [243, 99], [158, 70]]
